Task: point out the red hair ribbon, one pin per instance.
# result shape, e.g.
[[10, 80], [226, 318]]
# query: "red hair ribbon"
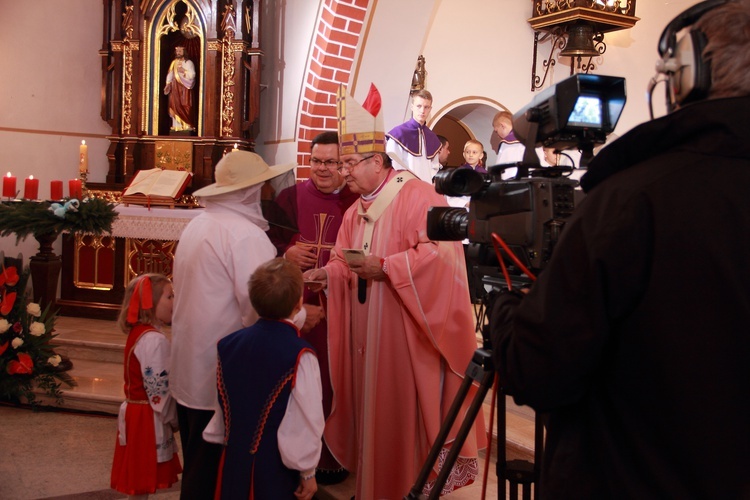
[[142, 298]]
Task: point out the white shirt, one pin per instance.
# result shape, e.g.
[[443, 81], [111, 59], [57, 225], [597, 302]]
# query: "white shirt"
[[510, 153], [216, 254]]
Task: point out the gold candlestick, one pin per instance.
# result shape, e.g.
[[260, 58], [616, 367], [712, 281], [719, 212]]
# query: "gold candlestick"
[[84, 189]]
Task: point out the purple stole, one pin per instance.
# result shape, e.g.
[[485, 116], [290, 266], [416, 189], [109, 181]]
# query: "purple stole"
[[408, 136]]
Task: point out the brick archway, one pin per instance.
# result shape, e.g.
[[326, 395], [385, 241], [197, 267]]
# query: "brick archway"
[[337, 32]]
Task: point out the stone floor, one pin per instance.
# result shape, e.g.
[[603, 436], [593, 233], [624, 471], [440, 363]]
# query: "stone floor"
[[67, 453]]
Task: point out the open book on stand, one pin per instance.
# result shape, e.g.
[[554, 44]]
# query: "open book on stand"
[[157, 187]]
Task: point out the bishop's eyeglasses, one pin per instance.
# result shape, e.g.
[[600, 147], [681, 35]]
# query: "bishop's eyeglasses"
[[349, 165]]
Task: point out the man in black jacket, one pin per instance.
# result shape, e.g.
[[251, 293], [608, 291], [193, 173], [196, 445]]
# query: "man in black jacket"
[[636, 337]]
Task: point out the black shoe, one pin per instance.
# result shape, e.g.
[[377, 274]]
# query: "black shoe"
[[331, 476]]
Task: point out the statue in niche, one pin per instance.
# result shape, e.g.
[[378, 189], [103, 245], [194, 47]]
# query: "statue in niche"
[[180, 62], [179, 88]]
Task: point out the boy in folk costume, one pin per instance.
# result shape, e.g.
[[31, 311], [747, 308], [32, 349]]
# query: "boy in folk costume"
[[271, 428]]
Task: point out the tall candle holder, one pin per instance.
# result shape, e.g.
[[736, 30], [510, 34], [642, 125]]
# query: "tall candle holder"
[[84, 190]]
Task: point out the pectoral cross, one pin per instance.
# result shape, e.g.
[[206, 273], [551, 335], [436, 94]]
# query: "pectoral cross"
[[323, 223]]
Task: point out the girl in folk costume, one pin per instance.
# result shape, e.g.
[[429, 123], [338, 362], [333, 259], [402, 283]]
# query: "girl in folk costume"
[[145, 451]]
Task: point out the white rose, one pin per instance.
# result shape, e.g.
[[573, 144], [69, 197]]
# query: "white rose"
[[34, 309], [54, 360], [4, 325], [36, 329], [17, 342]]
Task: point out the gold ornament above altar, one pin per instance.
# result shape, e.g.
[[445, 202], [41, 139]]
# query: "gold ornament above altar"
[[174, 155]]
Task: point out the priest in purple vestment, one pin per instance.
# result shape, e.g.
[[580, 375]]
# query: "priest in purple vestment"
[[314, 210]]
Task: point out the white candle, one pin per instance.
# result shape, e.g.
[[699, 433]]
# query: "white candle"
[[83, 162]]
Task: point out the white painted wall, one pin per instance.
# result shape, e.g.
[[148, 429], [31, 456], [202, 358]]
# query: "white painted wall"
[[50, 94], [476, 51]]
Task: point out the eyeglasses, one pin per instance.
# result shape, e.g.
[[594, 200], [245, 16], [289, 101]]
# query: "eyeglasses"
[[329, 164], [349, 165]]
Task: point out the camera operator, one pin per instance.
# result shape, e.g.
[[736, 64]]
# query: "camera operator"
[[635, 339]]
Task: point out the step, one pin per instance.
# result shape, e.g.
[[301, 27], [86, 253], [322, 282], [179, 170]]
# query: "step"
[[99, 388], [95, 347], [89, 339]]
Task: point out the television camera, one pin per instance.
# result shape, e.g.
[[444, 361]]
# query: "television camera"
[[528, 214]]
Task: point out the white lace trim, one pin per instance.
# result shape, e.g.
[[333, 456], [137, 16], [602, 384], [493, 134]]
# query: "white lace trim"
[[155, 224], [463, 473]]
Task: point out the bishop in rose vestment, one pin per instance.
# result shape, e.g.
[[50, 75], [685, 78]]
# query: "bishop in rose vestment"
[[400, 322], [397, 360]]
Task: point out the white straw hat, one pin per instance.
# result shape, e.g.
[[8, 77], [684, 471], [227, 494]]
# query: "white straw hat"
[[241, 169]]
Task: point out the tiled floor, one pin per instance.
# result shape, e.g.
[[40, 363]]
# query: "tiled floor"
[[68, 455], [53, 454]]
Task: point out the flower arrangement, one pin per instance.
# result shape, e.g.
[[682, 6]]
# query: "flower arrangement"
[[27, 355]]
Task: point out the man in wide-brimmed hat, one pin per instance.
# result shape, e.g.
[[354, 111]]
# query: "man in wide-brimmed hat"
[[217, 253]]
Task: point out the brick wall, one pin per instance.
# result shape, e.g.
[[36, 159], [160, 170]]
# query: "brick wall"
[[337, 34]]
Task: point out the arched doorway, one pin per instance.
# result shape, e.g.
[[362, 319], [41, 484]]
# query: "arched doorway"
[[460, 121]]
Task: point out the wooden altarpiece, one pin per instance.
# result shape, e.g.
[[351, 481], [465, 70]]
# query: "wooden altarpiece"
[[221, 38]]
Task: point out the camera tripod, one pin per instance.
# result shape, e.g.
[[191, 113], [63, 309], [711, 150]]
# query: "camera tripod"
[[516, 472]]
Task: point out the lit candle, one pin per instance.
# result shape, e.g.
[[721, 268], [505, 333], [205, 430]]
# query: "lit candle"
[[74, 186], [83, 162], [31, 188], [9, 186], [235, 146], [56, 190]]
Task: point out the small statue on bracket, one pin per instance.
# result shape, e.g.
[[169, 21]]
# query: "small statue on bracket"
[[417, 81]]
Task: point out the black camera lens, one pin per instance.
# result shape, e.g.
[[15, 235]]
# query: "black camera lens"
[[447, 223], [458, 181]]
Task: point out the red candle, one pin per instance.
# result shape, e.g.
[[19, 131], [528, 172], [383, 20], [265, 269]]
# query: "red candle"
[[31, 188], [74, 186], [9, 186], [56, 190]]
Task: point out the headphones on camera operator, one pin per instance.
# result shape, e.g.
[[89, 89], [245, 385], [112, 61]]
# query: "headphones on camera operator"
[[682, 67]]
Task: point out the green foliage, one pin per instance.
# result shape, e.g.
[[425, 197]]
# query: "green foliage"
[[23, 218]]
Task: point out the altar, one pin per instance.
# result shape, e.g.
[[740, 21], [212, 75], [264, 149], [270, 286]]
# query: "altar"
[[96, 269]]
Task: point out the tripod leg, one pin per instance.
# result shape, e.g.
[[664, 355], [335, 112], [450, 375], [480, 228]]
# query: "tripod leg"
[[463, 432], [475, 371]]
